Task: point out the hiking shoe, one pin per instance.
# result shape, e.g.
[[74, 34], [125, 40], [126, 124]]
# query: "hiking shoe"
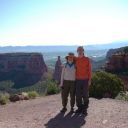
[[79, 110], [84, 111], [63, 110], [72, 110]]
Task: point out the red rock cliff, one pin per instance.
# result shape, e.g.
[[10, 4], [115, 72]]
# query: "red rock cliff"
[[58, 69], [19, 67], [117, 62]]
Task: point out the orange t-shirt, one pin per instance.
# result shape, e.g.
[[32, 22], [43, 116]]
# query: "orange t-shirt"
[[83, 68]]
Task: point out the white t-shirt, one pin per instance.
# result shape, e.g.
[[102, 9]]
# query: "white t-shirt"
[[68, 73]]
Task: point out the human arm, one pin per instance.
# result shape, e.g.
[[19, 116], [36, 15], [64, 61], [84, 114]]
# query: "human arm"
[[62, 77], [90, 71]]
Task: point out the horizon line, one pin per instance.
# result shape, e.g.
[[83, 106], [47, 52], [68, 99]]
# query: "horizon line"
[[62, 44]]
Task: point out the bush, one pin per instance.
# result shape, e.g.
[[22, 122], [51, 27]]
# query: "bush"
[[39, 87], [126, 49], [52, 87], [122, 96], [105, 85], [7, 86], [4, 99], [33, 94]]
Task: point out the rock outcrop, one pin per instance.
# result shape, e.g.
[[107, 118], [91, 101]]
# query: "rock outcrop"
[[117, 60], [23, 69], [121, 50], [125, 80], [29, 62], [112, 52], [117, 63], [18, 97], [58, 70]]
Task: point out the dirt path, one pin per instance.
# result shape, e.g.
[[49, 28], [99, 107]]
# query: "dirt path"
[[44, 113]]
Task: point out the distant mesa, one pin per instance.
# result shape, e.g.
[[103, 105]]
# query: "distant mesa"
[[58, 70], [22, 68]]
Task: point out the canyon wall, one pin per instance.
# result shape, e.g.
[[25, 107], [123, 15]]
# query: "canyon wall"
[[22, 68]]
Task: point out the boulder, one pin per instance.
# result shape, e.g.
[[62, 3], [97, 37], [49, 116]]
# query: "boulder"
[[18, 97], [25, 95]]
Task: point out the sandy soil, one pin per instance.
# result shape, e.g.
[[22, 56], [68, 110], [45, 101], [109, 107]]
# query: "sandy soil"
[[44, 112]]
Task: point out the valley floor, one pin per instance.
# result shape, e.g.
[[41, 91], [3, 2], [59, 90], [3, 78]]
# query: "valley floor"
[[44, 112]]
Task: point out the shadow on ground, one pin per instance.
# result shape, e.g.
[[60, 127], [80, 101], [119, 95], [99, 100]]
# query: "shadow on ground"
[[66, 121]]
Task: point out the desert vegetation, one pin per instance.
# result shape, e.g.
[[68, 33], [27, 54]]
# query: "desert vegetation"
[[105, 85], [123, 96], [4, 98], [51, 87]]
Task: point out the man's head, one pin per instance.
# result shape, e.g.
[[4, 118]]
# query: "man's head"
[[80, 51], [70, 57]]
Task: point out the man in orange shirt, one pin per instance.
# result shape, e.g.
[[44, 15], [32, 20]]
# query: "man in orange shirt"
[[83, 79]]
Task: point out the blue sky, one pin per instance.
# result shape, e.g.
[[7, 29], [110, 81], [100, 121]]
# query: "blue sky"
[[62, 22]]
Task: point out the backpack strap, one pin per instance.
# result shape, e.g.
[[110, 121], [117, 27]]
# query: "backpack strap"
[[65, 65]]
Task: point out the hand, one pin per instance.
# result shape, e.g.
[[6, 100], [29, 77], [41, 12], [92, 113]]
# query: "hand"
[[62, 87], [89, 82]]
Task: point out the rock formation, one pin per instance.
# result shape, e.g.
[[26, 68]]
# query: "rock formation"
[[118, 62], [22, 68], [112, 52], [18, 97], [122, 50], [58, 69]]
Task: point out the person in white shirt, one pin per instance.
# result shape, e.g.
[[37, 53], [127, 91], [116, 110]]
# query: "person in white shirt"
[[67, 83]]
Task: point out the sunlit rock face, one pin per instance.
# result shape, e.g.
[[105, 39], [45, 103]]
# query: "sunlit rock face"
[[117, 60], [119, 51], [117, 63], [23, 69], [126, 61], [112, 52], [58, 70]]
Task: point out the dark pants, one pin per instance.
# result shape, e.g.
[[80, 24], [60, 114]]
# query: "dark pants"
[[82, 93], [68, 88]]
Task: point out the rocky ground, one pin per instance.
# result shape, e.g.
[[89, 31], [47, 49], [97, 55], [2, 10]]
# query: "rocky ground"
[[44, 112]]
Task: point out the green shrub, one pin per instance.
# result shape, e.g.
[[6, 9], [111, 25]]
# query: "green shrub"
[[52, 87], [122, 96], [39, 87], [105, 85], [126, 49], [33, 94], [4, 99]]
